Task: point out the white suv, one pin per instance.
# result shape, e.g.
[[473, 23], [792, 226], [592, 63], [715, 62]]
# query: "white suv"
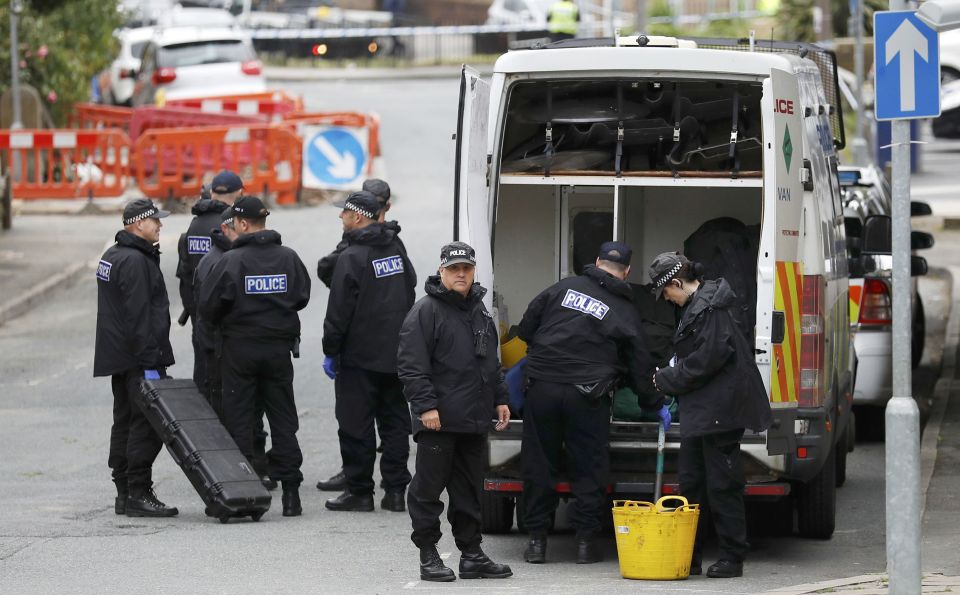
[[123, 70], [189, 62]]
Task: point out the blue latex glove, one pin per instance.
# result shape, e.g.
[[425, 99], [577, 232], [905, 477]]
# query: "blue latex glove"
[[665, 417], [151, 375], [514, 380], [330, 367]]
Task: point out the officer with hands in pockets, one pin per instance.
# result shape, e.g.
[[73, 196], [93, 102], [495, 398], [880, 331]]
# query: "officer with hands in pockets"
[[254, 295], [133, 337], [584, 337], [372, 288], [451, 375]]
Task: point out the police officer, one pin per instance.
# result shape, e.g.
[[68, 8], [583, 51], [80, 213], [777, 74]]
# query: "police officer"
[[254, 294], [562, 19], [380, 189], [372, 289], [451, 375], [584, 337], [719, 393], [221, 240], [133, 335], [193, 244]]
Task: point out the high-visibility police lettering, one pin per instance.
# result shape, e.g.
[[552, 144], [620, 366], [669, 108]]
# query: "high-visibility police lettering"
[[783, 106], [103, 270], [582, 302], [458, 253], [198, 244], [265, 284], [385, 267]]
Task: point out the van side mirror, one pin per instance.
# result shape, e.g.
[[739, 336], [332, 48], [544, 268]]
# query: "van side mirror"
[[920, 240], [918, 266], [918, 208], [877, 235]]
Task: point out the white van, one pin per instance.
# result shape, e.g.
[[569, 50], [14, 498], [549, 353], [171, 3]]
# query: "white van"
[[652, 141]]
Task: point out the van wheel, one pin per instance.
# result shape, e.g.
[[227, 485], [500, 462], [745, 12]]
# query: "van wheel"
[[817, 502], [496, 513], [919, 334]]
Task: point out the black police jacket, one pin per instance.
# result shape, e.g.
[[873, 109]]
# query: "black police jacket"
[[193, 245], [326, 264], [256, 289], [372, 289], [439, 363], [220, 244], [133, 311], [715, 378], [586, 330]]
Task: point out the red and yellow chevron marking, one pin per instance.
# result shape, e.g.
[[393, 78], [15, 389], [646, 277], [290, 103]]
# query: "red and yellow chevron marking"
[[785, 371], [856, 292]]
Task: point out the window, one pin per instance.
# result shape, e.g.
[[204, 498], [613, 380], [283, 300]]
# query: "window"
[[205, 52], [590, 230]]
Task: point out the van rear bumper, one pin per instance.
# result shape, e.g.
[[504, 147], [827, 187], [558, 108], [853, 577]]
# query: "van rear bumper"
[[814, 441]]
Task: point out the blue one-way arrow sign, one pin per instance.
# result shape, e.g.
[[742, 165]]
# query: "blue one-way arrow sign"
[[907, 59]]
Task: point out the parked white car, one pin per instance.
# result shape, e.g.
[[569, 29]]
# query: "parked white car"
[[188, 62], [127, 63]]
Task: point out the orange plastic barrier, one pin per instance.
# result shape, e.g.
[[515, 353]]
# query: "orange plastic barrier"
[[369, 121], [94, 115], [66, 163], [272, 104], [175, 162], [148, 118]]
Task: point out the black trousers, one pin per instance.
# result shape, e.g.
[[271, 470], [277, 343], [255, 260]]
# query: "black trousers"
[[365, 396], [258, 375], [711, 475], [200, 359], [134, 445], [452, 462], [213, 390], [554, 416]]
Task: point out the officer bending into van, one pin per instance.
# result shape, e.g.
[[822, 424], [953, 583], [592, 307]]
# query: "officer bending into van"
[[254, 294], [370, 293], [133, 335], [584, 336], [193, 245], [719, 393], [338, 481], [451, 375]]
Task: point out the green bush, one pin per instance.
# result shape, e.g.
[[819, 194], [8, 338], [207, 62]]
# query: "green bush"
[[63, 44]]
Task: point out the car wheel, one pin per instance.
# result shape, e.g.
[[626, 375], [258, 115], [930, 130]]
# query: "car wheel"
[[948, 75], [496, 513], [841, 459], [919, 333]]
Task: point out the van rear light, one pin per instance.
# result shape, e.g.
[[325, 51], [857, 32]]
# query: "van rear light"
[[251, 67], [162, 76], [812, 344], [876, 306]]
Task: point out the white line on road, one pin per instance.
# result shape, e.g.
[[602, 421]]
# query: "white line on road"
[[444, 555], [411, 585]]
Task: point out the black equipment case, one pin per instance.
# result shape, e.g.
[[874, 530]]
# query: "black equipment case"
[[204, 449]]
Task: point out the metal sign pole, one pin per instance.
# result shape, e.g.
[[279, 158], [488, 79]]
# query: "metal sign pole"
[[15, 8], [902, 414]]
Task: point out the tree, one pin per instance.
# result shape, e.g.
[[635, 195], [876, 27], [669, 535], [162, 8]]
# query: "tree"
[[63, 44], [795, 18]]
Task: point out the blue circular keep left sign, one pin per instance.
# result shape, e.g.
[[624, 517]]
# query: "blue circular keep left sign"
[[334, 157]]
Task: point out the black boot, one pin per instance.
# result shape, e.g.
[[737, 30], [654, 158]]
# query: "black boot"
[[725, 569], [142, 502], [291, 500], [536, 550], [120, 503], [394, 501], [476, 564], [587, 551], [336, 483], [432, 567], [351, 502]]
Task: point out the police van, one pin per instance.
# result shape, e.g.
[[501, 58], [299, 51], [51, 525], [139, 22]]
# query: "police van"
[[669, 144]]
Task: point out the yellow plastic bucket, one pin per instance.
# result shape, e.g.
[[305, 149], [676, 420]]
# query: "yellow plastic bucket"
[[655, 542], [512, 351]]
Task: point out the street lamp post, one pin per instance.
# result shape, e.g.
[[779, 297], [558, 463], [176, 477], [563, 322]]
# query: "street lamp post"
[[16, 7]]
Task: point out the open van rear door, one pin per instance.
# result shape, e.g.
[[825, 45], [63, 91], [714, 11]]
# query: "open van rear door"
[[472, 212]]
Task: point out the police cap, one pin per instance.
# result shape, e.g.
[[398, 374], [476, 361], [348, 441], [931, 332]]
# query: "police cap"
[[249, 207], [457, 252], [139, 209]]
